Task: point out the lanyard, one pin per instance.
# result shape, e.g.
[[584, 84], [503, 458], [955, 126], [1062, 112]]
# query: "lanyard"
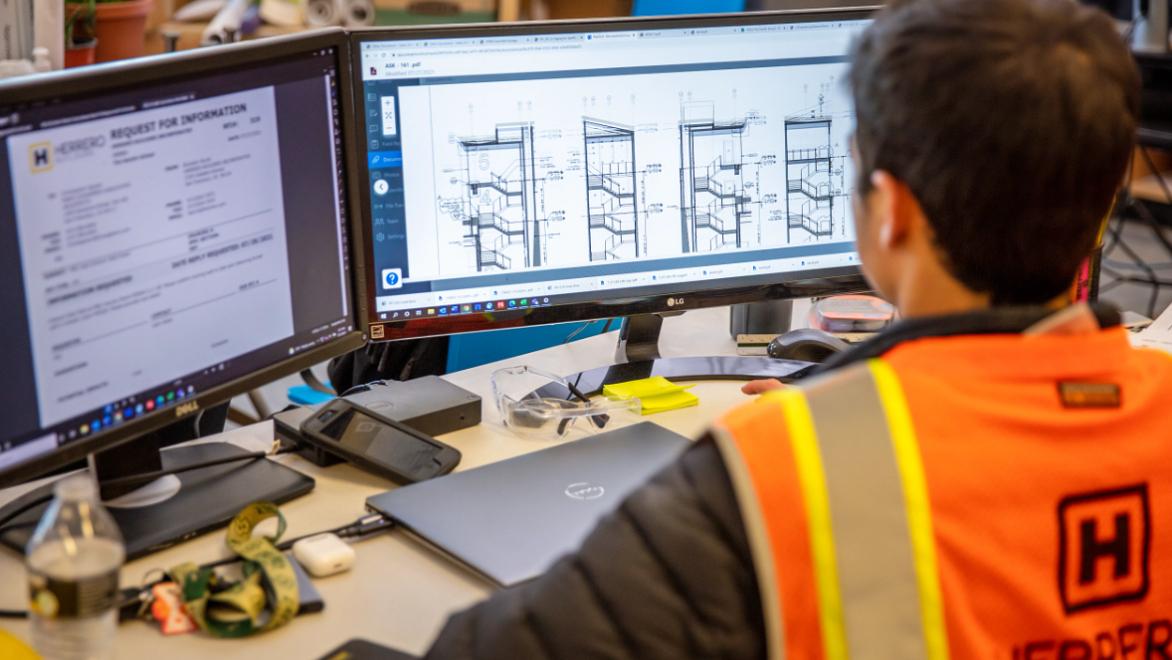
[[223, 608]]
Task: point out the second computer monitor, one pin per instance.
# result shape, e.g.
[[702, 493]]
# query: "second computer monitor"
[[173, 231], [544, 172]]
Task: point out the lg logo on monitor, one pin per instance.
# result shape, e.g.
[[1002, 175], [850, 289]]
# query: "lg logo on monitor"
[[392, 278], [675, 302]]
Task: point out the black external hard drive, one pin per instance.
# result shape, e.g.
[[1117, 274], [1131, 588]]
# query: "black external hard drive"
[[429, 404]]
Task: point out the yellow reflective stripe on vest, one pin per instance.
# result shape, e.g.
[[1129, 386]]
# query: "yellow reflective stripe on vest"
[[865, 499], [876, 563], [915, 488], [813, 485]]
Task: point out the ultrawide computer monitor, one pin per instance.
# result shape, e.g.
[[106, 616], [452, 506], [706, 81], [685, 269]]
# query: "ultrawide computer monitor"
[[173, 232], [546, 172]]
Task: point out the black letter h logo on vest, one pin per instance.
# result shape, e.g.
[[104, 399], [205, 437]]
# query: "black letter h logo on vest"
[[1103, 548], [1117, 549]]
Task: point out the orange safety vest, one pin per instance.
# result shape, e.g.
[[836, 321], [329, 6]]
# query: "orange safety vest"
[[984, 496]]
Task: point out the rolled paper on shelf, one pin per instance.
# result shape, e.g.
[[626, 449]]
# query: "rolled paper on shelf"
[[357, 13], [226, 24], [199, 10], [322, 13]]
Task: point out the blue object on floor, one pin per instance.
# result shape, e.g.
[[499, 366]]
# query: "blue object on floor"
[[666, 7], [476, 348], [304, 395]]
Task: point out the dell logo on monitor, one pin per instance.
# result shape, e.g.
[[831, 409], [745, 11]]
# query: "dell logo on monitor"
[[186, 408]]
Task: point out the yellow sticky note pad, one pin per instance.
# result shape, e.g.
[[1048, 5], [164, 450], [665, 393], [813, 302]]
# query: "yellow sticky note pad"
[[669, 401], [642, 388]]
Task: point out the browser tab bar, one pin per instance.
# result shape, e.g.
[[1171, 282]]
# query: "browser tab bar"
[[465, 56]]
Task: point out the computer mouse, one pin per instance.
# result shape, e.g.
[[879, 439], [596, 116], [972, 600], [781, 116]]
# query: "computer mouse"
[[806, 344]]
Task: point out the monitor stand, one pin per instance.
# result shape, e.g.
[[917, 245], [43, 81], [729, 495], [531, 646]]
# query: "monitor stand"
[[638, 357], [173, 508]]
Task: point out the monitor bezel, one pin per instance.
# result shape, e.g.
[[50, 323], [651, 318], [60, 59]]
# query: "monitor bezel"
[[117, 76], [845, 279]]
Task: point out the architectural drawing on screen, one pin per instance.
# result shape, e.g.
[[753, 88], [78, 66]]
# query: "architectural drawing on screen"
[[815, 192], [501, 222], [561, 173], [611, 181], [713, 203]]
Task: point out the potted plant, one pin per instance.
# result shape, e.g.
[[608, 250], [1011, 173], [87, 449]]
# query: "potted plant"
[[80, 42], [120, 27]]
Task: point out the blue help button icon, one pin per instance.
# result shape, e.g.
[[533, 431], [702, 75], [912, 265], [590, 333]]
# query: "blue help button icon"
[[392, 278]]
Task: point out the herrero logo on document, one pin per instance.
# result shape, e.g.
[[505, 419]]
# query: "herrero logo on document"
[[40, 157]]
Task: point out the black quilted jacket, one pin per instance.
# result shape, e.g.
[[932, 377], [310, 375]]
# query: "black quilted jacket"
[[668, 575]]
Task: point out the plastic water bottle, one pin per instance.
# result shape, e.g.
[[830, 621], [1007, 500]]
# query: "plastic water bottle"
[[73, 562]]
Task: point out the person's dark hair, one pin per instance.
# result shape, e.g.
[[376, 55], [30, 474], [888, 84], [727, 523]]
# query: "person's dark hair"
[[1012, 122]]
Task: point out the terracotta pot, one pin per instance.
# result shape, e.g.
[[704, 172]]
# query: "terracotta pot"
[[121, 29], [80, 54]]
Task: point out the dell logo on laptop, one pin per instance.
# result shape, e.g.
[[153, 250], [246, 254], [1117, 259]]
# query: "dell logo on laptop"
[[584, 490]]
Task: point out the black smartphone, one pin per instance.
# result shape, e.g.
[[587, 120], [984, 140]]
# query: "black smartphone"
[[378, 444]]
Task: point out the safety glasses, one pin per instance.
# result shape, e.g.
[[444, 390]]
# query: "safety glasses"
[[537, 403]]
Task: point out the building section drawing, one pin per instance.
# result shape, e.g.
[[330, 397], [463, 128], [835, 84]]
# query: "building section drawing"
[[713, 203], [501, 222], [816, 199], [565, 172], [611, 185]]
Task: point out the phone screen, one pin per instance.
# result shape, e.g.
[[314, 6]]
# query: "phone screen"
[[381, 443]]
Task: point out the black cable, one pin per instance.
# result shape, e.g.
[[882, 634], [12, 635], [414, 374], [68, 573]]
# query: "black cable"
[[1154, 224], [577, 331], [582, 328], [1132, 279], [1126, 279], [13, 614], [363, 387], [1146, 215], [198, 420], [315, 383], [1141, 264], [1143, 151], [1104, 288], [361, 529], [1163, 265]]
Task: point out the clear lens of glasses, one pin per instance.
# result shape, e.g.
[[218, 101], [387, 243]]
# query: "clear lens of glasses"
[[535, 402]]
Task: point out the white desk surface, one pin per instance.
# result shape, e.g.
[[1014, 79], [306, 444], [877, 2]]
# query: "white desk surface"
[[399, 593]]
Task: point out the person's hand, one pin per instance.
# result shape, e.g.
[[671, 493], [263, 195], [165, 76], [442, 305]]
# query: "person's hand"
[[761, 386]]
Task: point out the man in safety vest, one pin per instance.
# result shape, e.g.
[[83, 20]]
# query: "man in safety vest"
[[992, 478]]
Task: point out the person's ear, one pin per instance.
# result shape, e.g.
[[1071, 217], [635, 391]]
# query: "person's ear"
[[894, 208]]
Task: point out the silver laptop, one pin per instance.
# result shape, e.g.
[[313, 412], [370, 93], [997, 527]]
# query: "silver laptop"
[[509, 521]]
